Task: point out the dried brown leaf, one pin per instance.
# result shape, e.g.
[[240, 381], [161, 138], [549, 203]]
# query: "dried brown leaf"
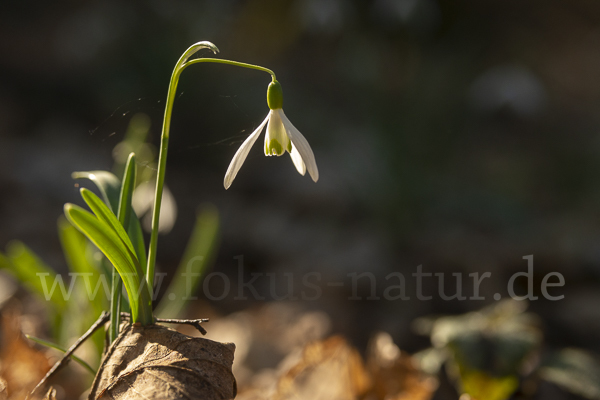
[[155, 362], [21, 366], [3, 390], [394, 374], [329, 369]]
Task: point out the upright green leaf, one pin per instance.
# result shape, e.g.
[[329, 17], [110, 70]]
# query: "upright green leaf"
[[93, 300], [192, 268], [104, 214], [74, 246], [118, 252], [126, 193], [34, 274], [125, 210], [137, 238], [110, 188]]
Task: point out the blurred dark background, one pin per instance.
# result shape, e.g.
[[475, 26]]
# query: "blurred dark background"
[[458, 135]]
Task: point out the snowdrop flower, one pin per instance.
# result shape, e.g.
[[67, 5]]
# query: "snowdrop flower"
[[281, 136]]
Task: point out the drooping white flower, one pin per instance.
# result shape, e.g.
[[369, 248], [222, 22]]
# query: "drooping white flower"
[[281, 136]]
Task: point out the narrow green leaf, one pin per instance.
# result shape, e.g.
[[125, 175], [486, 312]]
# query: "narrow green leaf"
[[110, 189], [137, 238], [106, 239], [197, 257], [125, 210], [104, 214], [76, 248], [108, 184], [57, 347], [113, 247], [34, 274], [74, 245]]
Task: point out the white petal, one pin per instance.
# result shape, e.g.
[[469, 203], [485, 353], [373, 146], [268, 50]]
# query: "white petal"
[[302, 145], [297, 160], [241, 154]]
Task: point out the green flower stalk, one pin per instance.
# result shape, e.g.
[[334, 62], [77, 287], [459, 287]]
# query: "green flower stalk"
[[281, 136]]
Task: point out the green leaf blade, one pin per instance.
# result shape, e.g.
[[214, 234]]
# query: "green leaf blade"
[[110, 188], [108, 184], [57, 347], [109, 242], [76, 249], [127, 187], [196, 259], [125, 210], [104, 214], [30, 270]]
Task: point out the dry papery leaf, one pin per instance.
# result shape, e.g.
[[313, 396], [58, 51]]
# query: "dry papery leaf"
[[21, 366], [3, 390], [329, 369], [394, 373], [155, 362], [332, 369]]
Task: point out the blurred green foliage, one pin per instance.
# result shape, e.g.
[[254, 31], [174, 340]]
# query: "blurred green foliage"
[[75, 304], [493, 352]]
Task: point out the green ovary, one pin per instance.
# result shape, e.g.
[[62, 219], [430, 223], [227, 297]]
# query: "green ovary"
[[274, 148], [274, 95]]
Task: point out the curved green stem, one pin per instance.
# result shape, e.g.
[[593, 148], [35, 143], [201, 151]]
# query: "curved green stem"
[[164, 143], [160, 178], [229, 62]]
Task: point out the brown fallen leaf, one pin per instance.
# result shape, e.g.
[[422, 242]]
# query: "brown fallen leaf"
[[394, 374], [329, 369], [264, 336], [3, 390], [155, 362], [21, 366]]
